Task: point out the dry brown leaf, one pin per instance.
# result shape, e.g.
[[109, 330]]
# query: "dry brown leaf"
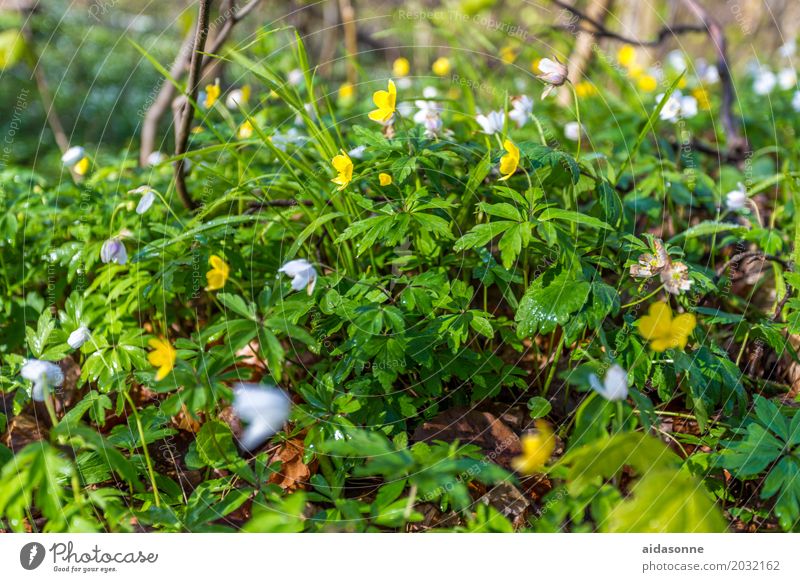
[[293, 473], [23, 429], [498, 442]]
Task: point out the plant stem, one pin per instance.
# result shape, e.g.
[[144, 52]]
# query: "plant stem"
[[147, 460]]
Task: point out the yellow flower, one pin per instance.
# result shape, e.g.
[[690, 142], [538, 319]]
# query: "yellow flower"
[[346, 91], [218, 274], [245, 130], [162, 357], [385, 102], [664, 331], [510, 161], [245, 93], [535, 65], [626, 56], [212, 94], [585, 89], [441, 66], [81, 167], [344, 165], [536, 449], [682, 83], [401, 67], [508, 54], [385, 179], [703, 102], [648, 83]]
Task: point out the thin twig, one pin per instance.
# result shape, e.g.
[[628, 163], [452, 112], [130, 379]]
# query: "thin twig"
[[187, 113]]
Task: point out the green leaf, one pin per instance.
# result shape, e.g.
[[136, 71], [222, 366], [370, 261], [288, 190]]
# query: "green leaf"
[[667, 501], [215, 445], [573, 216], [550, 301], [539, 407]]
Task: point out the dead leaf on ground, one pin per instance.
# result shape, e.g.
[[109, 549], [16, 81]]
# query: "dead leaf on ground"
[[293, 473], [23, 430], [498, 442]]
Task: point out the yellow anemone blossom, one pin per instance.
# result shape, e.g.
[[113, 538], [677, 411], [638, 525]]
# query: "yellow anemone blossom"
[[508, 54], [626, 56], [212, 94], [245, 130], [346, 91], [344, 165], [585, 89], [401, 67], [385, 179], [536, 449], [664, 331], [535, 66], [81, 167], [647, 83], [162, 357], [703, 102], [245, 93], [441, 66], [385, 102], [218, 274], [510, 161]]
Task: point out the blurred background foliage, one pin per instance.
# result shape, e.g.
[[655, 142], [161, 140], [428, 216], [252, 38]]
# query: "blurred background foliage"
[[102, 85]]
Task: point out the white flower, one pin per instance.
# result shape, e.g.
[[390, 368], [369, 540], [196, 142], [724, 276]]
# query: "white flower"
[[73, 155], [433, 125], [79, 337], [303, 274], [492, 123], [764, 82], [736, 199], [113, 251], [707, 73], [788, 49], [43, 375], [553, 72], [295, 77], [235, 99], [676, 60], [357, 153], [677, 106], [147, 199], [572, 130], [796, 101], [155, 158], [675, 277], [787, 78], [264, 409], [614, 386], [426, 108], [292, 136], [405, 109], [521, 109]]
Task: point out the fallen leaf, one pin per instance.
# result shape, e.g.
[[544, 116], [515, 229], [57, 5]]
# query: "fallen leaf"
[[293, 473], [498, 442]]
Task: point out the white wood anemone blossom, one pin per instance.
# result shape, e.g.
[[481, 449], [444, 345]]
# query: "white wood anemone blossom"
[[491, 123], [73, 155], [614, 386], [303, 274], [44, 375], [113, 251], [79, 337], [147, 199], [264, 408], [521, 110], [554, 73]]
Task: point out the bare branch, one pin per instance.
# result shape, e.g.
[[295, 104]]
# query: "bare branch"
[[186, 114]]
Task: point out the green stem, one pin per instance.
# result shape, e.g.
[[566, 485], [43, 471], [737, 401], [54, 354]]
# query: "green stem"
[[645, 298], [147, 460], [578, 119], [553, 365]]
